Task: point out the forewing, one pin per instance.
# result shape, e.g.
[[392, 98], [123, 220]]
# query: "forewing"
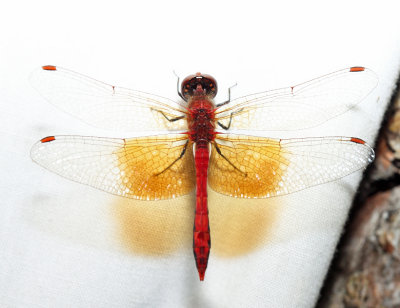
[[104, 105], [256, 167], [140, 168], [302, 106]]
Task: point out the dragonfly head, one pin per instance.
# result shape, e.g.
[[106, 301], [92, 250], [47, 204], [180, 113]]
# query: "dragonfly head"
[[199, 84]]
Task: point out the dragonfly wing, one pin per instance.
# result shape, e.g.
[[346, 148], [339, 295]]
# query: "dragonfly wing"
[[103, 105], [302, 106], [146, 168], [257, 167]]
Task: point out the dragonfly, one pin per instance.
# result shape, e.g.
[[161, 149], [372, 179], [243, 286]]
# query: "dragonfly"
[[204, 145]]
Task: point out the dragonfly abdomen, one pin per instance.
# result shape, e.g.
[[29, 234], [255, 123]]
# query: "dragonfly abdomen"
[[201, 230]]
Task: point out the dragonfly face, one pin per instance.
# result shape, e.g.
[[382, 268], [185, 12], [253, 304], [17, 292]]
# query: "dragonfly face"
[[199, 84], [239, 165]]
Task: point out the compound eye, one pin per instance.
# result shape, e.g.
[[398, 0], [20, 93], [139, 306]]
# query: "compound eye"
[[187, 91], [210, 85], [188, 86]]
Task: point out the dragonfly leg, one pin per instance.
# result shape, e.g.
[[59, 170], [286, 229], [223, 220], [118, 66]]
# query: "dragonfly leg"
[[226, 127], [180, 156], [168, 119], [177, 88], [224, 157], [229, 96]]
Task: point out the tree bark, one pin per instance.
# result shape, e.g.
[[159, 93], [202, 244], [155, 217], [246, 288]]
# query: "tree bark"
[[366, 269]]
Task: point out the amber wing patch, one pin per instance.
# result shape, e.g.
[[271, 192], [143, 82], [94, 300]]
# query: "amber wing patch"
[[151, 168], [253, 167]]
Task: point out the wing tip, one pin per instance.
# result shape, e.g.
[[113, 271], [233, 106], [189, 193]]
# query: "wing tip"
[[357, 140], [357, 69], [371, 155], [47, 139], [49, 68]]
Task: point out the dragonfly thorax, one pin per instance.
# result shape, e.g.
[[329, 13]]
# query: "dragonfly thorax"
[[201, 121]]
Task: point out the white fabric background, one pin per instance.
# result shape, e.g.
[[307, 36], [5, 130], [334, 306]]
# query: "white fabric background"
[[67, 245]]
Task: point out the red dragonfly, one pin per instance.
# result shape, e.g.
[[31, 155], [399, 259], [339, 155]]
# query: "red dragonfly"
[[200, 148]]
